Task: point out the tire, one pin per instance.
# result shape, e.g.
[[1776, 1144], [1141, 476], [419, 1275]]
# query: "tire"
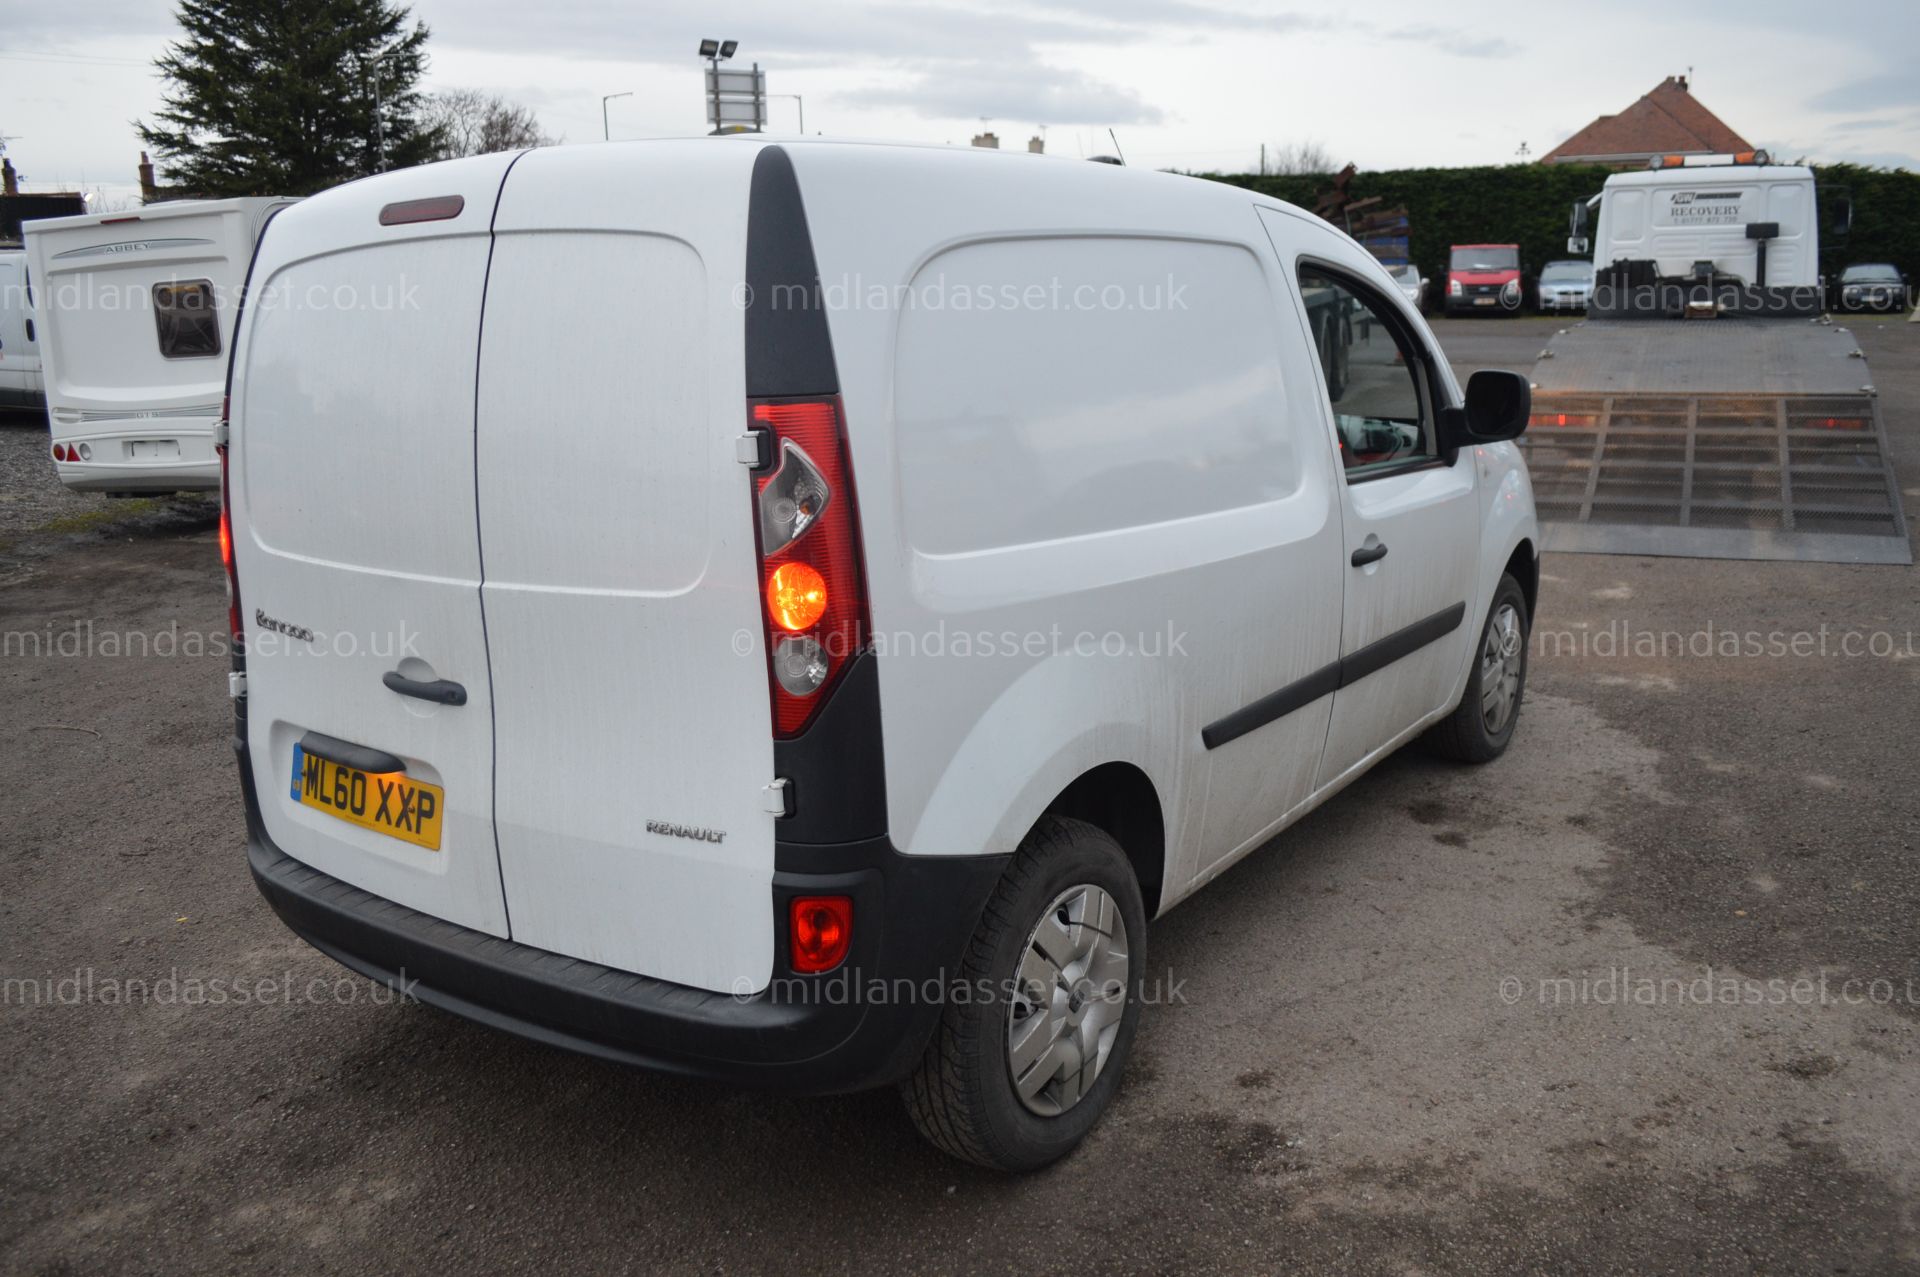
[[1466, 735], [963, 1095]]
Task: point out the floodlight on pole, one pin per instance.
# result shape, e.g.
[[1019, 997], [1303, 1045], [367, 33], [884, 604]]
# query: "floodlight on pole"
[[715, 52], [606, 130]]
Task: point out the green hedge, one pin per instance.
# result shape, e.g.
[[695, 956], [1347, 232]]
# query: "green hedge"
[[1527, 204]]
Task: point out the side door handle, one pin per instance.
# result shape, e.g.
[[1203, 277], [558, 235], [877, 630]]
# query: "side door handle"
[[441, 691], [1364, 555]]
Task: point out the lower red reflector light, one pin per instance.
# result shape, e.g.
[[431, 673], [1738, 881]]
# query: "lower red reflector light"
[[820, 931]]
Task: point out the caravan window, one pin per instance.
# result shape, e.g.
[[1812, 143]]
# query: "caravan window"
[[184, 315]]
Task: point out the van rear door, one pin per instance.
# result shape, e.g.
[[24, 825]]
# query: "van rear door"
[[634, 734], [356, 535]]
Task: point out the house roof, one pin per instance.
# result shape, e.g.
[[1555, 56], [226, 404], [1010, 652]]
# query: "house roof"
[[1668, 120]]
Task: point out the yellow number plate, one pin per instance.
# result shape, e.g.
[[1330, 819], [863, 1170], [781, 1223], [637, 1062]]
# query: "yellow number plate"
[[390, 803]]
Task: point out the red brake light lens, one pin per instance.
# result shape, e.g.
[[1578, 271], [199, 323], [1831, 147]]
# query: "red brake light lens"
[[820, 932], [435, 209], [813, 597], [234, 625]]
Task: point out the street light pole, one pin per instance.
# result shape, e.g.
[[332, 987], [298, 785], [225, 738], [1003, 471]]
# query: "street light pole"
[[802, 107], [606, 130]]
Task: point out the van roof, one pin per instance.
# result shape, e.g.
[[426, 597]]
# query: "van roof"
[[1701, 175]]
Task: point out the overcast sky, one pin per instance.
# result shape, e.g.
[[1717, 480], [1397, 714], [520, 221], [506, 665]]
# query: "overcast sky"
[[1183, 83]]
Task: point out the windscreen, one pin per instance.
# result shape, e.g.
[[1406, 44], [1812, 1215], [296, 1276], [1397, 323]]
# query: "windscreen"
[[1875, 274], [1565, 273], [1484, 259]]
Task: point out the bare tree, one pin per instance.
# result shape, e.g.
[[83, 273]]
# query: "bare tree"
[[1300, 157], [474, 122]]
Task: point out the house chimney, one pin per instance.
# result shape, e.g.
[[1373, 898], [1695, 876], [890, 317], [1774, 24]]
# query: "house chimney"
[[147, 191], [9, 180], [1036, 146], [1680, 81], [987, 140]]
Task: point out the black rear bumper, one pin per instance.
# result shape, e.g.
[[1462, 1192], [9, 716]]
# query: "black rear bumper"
[[862, 1025], [859, 1026]]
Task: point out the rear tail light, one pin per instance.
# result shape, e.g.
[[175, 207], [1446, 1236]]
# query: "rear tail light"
[[820, 931], [59, 452], [812, 595], [226, 532]]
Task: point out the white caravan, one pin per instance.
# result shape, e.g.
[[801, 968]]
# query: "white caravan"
[[792, 613], [19, 351], [135, 314]]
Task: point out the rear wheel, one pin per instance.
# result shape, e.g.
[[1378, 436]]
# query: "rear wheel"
[[1480, 727], [1031, 1043]]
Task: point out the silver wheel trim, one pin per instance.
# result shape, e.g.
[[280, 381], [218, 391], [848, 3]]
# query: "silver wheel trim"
[[1502, 657], [1069, 993]]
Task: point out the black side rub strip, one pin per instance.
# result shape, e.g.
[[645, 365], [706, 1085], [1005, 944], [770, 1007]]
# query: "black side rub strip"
[[1272, 706], [1350, 669], [348, 754]]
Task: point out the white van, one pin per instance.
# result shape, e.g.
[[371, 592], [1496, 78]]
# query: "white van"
[[19, 349], [135, 312], [792, 613]]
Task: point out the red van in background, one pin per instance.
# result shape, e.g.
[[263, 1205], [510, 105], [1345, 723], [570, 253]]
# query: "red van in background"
[[1486, 278]]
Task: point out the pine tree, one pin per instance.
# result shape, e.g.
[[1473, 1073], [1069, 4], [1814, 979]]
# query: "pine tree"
[[288, 97]]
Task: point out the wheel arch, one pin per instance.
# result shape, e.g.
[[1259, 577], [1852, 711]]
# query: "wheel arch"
[[1120, 799], [1523, 565]]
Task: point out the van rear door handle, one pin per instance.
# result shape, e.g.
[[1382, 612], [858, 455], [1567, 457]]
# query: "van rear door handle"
[[1369, 554], [441, 691]]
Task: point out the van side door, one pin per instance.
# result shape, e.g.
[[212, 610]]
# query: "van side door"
[[1412, 523]]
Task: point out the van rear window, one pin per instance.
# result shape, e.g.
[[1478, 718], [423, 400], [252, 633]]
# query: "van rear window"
[[184, 316]]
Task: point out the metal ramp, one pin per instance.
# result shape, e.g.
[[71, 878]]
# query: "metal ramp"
[[1659, 451]]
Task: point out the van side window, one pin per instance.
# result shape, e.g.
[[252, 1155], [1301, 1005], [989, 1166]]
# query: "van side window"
[[1372, 378], [184, 316]]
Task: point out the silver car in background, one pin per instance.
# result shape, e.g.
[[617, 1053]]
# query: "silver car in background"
[[1565, 285], [1413, 285]]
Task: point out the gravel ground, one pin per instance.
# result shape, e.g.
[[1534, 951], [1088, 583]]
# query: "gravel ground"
[[30, 495], [1468, 1020]]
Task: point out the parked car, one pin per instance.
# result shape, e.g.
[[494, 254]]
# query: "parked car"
[[1565, 285], [1486, 278], [19, 347], [1413, 285], [827, 714], [1873, 286], [135, 312]]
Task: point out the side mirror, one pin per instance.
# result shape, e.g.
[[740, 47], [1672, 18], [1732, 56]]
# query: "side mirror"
[[1843, 221], [1576, 230], [1498, 406]]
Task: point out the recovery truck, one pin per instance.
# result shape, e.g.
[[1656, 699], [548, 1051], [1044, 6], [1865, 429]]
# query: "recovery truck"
[[1707, 407]]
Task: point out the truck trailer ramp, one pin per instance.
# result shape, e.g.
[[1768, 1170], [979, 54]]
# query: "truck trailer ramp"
[[1716, 439]]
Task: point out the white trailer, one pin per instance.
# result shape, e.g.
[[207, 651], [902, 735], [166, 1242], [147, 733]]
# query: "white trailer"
[[135, 317]]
